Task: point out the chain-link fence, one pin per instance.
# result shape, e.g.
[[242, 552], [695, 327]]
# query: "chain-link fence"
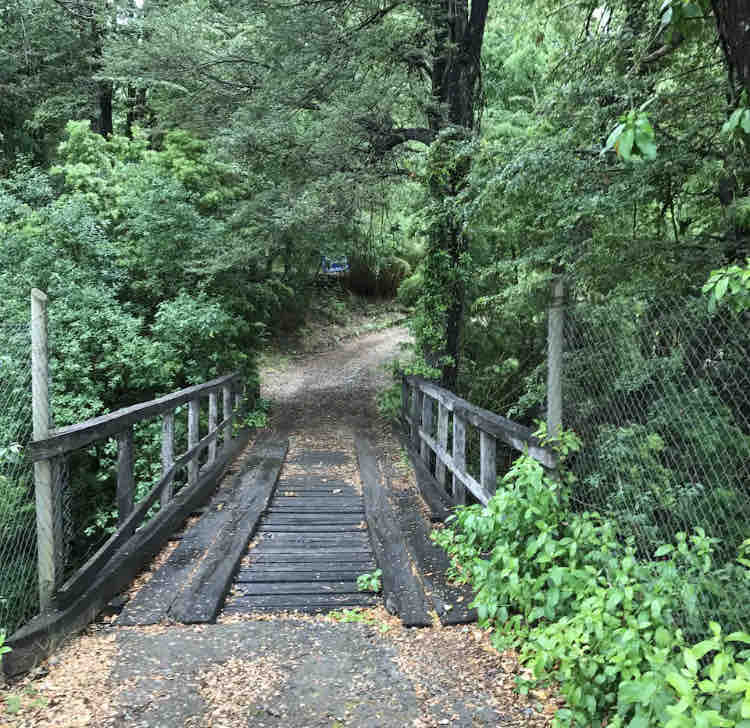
[[18, 592], [659, 391]]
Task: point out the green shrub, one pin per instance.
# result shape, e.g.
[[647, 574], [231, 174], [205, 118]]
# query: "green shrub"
[[410, 289], [611, 630]]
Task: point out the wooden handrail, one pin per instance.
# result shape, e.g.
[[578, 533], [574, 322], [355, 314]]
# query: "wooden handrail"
[[492, 427], [74, 437]]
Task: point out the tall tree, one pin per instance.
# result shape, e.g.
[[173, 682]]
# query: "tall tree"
[[733, 25]]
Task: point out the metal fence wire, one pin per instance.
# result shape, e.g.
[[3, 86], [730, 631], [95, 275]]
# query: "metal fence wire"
[[18, 590], [659, 391]]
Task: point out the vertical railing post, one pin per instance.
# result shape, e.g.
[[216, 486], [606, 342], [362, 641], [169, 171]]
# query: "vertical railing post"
[[167, 455], [416, 414], [125, 478], [238, 405], [213, 415], [226, 392], [193, 438], [555, 325], [488, 462], [427, 419], [45, 531], [459, 458], [442, 441], [404, 399]]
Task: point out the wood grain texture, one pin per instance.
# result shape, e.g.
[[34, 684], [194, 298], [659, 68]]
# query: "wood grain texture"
[[81, 434]]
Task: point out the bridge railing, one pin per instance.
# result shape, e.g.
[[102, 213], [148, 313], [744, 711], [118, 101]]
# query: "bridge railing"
[[437, 422], [200, 456]]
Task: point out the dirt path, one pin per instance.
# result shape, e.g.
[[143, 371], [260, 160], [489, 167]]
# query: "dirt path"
[[334, 388], [287, 671]]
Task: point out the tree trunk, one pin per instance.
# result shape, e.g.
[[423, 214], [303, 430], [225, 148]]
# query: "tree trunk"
[[733, 25], [456, 89], [103, 124]]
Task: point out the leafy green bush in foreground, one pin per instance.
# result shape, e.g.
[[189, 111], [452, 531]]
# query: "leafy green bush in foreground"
[[625, 639]]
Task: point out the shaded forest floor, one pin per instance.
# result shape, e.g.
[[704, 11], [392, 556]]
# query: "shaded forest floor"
[[358, 669]]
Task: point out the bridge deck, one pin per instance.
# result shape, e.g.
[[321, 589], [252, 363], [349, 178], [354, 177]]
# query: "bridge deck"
[[311, 545]]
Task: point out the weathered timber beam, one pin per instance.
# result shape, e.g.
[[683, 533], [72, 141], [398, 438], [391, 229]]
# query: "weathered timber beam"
[[519, 437], [480, 493], [82, 578], [81, 434]]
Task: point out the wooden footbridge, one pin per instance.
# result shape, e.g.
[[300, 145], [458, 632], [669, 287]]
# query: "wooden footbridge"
[[283, 531]]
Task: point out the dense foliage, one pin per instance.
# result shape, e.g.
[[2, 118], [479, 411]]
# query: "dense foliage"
[[627, 640]]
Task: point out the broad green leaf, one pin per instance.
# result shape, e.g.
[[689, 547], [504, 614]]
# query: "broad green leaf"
[[624, 145], [614, 136], [738, 637], [701, 648], [721, 288]]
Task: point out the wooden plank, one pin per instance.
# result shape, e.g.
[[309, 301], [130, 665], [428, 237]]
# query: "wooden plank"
[[501, 428], [305, 528], [310, 557], [340, 552], [193, 437], [488, 462], [308, 567], [167, 455], [433, 495], [79, 581], [300, 587], [298, 540], [401, 587], [315, 459], [213, 416], [427, 422], [459, 459], [125, 478], [312, 537], [81, 434], [450, 601], [478, 490], [315, 519], [45, 633], [405, 393], [272, 535], [416, 413], [283, 602], [298, 575], [153, 600], [442, 441], [202, 598], [334, 507], [226, 392]]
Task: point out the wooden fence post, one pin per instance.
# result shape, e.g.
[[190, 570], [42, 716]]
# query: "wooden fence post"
[[442, 441], [416, 415], [488, 462], [405, 399], [556, 323], [125, 478], [45, 516], [213, 416], [167, 455], [193, 437], [226, 392], [427, 419], [459, 458]]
